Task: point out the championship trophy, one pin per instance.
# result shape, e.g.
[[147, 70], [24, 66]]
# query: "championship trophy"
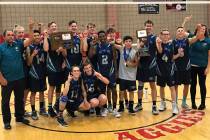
[[142, 36], [61, 39]]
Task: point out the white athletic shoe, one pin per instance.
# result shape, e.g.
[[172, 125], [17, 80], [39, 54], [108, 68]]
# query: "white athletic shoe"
[[155, 110], [104, 112], [162, 106], [175, 109], [116, 113]]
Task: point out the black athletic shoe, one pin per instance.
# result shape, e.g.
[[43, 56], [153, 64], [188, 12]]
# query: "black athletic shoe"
[[61, 121], [87, 113], [34, 115], [23, 120], [194, 106], [7, 126], [43, 112], [92, 111], [132, 112], [201, 107], [121, 109], [51, 112]]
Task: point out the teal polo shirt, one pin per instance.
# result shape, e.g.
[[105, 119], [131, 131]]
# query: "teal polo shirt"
[[11, 62], [199, 52]]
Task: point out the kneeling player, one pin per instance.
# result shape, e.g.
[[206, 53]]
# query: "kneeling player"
[[91, 79], [74, 95]]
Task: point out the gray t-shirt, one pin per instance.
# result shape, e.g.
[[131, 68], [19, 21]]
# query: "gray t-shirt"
[[127, 73]]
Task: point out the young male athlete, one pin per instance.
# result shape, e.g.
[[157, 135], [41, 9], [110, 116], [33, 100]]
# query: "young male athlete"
[[74, 96], [36, 57], [91, 79]]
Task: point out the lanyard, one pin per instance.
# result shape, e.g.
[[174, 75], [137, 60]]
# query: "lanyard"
[[126, 55]]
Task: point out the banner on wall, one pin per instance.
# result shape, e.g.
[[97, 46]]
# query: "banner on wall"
[[176, 7], [148, 8]]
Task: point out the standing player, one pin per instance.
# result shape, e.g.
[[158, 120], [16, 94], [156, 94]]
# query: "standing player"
[[74, 96], [55, 72], [113, 39], [74, 55], [36, 57], [127, 72], [147, 69], [166, 66], [105, 66], [182, 61], [91, 79]]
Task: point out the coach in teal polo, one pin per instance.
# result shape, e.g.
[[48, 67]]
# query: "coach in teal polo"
[[200, 65], [11, 78]]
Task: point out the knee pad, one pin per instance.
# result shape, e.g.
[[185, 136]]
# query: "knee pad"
[[63, 99]]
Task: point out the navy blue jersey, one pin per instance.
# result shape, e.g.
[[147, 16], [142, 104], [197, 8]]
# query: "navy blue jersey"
[[38, 66], [182, 63], [75, 90], [54, 60], [90, 83], [20, 42], [165, 60], [105, 64], [74, 56], [149, 62]]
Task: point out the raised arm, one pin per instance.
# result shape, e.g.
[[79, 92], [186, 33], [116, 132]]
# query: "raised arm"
[[186, 19], [28, 41], [30, 56], [158, 45], [67, 85], [46, 43], [101, 77]]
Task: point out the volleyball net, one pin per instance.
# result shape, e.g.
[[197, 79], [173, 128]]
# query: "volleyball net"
[[125, 16]]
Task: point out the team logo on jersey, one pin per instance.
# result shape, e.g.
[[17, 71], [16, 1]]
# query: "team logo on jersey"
[[17, 49]]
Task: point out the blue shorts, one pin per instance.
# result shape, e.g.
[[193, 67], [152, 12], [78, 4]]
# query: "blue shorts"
[[37, 85]]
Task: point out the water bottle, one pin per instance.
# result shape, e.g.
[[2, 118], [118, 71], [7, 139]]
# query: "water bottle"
[[146, 93]]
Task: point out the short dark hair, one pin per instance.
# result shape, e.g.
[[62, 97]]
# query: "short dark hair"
[[165, 29], [49, 24], [148, 22], [5, 32], [71, 22], [36, 31], [179, 27], [127, 38], [110, 30], [74, 66], [102, 31], [87, 62], [91, 24]]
